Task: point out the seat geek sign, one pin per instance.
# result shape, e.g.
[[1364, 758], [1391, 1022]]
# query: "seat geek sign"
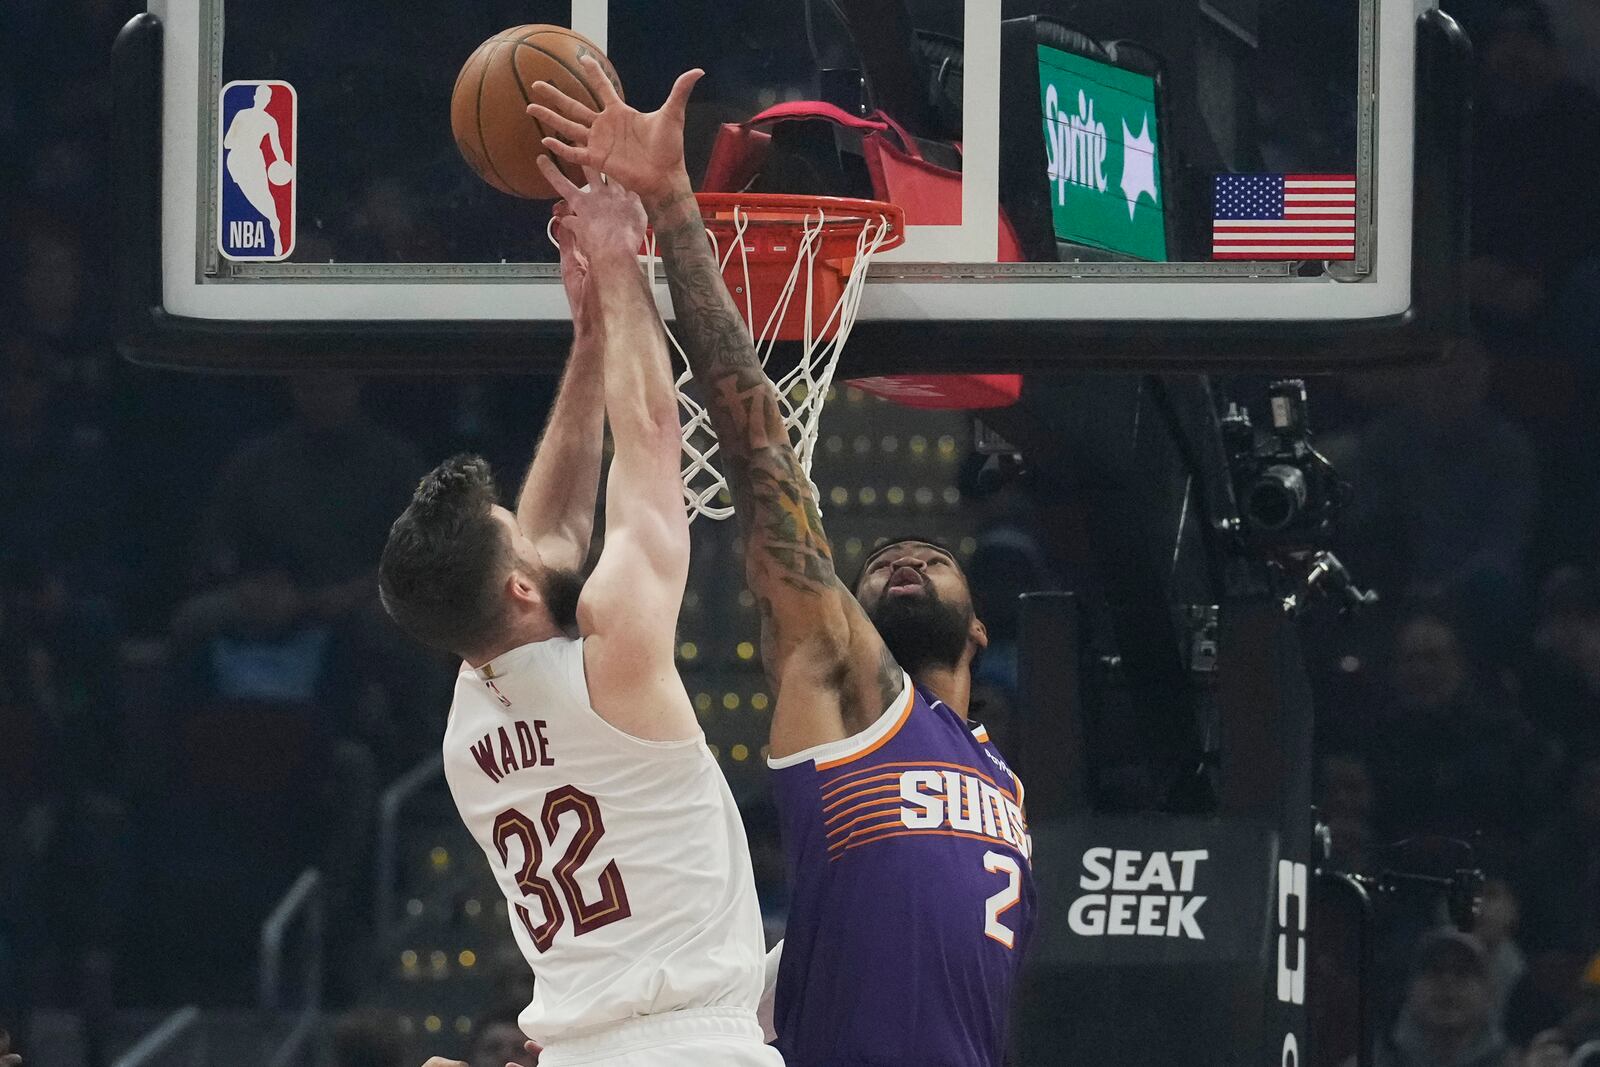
[[1141, 891], [1144, 894], [1103, 166]]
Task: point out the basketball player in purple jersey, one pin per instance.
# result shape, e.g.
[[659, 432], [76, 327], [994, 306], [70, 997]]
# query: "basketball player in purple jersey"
[[907, 847]]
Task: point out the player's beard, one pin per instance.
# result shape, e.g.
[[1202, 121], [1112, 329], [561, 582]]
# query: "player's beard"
[[922, 630], [561, 588]]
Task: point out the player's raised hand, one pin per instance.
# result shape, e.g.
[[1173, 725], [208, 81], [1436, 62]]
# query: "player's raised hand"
[[574, 269], [642, 150], [605, 218]]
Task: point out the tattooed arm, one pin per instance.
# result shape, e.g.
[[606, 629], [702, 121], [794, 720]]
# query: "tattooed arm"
[[829, 669], [815, 639]]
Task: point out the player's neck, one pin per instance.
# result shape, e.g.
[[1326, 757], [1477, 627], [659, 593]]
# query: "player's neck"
[[952, 685], [525, 633]]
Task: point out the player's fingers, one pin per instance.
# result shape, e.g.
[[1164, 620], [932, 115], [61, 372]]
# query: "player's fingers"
[[556, 100], [533, 1047], [593, 177], [572, 153], [558, 181], [677, 104], [576, 132], [601, 85]]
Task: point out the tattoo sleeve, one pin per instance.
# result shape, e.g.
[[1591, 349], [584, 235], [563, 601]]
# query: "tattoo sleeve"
[[787, 555]]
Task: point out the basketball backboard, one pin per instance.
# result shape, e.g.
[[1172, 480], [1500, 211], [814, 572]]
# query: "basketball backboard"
[[1088, 183]]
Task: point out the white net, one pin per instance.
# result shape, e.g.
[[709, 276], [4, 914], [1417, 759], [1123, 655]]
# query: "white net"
[[802, 390]]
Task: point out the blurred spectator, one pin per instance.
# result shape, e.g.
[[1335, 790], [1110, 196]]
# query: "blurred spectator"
[[288, 608], [369, 1039], [1536, 129], [1561, 683], [1450, 758], [497, 1041], [1346, 798], [1499, 918], [63, 823], [58, 496], [510, 975], [1007, 563], [1577, 29], [1425, 522], [1562, 892], [1448, 1016], [52, 276]]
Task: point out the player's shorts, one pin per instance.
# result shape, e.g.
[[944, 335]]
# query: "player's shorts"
[[695, 1037]]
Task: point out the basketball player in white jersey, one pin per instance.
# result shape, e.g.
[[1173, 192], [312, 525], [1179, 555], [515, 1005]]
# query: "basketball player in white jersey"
[[576, 761]]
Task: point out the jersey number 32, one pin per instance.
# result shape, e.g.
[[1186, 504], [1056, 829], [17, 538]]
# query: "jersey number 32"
[[608, 907]]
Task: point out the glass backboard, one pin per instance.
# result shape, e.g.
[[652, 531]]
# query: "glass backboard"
[[1162, 173]]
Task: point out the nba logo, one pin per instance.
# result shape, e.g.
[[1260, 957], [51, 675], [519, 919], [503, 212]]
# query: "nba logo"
[[256, 171]]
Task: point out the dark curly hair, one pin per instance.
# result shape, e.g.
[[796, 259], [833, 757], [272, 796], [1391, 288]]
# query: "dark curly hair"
[[440, 575]]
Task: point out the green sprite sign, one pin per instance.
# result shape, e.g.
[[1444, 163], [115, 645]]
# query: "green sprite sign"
[[1100, 141]]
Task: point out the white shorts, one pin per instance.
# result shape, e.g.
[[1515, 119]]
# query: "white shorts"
[[695, 1037]]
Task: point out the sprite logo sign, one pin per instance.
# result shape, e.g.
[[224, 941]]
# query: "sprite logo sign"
[[1100, 143]]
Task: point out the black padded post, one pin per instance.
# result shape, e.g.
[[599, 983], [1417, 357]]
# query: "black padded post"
[[1050, 742], [886, 39], [136, 154]]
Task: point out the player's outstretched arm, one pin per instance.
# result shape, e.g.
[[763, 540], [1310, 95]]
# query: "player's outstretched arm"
[[830, 670], [556, 505], [628, 611]]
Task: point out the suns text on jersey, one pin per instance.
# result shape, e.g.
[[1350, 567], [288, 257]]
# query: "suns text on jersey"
[[949, 800], [521, 746]]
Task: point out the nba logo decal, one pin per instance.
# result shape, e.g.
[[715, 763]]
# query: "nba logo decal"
[[256, 172]]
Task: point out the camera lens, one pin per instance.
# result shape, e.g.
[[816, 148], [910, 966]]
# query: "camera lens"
[[1276, 499]]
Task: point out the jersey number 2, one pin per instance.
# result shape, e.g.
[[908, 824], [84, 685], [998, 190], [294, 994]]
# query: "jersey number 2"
[[1003, 901], [612, 902]]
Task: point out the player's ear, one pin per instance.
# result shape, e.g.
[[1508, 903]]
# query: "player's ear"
[[978, 633], [522, 589]]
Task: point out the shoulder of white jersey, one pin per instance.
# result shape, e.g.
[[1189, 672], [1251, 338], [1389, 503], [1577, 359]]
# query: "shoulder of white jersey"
[[547, 678]]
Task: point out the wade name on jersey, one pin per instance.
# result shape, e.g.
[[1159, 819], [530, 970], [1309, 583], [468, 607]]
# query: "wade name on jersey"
[[513, 748]]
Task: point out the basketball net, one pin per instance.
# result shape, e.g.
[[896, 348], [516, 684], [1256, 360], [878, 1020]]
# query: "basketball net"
[[813, 300]]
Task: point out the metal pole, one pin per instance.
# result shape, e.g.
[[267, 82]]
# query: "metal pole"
[[1367, 1038], [305, 892], [389, 807], [175, 1026]]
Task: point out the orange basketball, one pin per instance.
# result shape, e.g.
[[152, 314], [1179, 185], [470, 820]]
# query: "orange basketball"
[[488, 110]]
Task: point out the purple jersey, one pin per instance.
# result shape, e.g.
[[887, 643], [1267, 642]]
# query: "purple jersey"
[[913, 898]]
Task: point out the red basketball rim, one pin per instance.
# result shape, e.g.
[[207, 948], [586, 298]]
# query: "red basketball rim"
[[793, 213]]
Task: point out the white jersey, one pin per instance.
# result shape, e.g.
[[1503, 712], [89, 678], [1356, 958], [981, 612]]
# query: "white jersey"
[[623, 862]]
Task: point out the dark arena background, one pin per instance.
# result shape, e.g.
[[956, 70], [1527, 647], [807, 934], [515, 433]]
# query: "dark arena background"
[[1290, 560]]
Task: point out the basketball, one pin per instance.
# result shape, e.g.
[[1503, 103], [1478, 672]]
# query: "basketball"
[[281, 172], [496, 136]]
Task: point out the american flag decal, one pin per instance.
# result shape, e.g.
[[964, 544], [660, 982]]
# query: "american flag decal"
[[1283, 216]]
